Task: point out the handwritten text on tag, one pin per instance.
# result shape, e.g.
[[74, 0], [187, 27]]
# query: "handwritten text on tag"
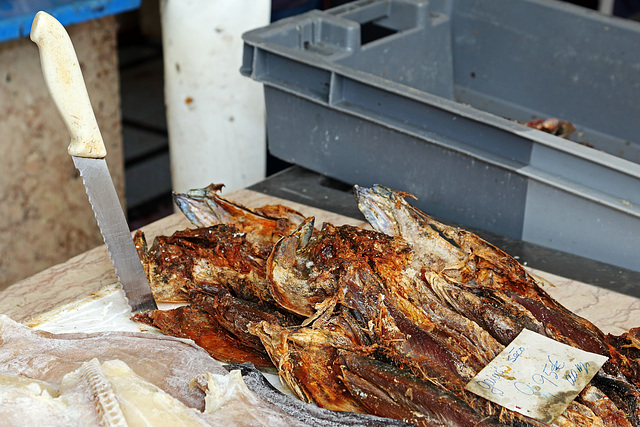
[[536, 376]]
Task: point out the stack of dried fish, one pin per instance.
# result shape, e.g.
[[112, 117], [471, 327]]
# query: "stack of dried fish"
[[392, 321], [120, 378]]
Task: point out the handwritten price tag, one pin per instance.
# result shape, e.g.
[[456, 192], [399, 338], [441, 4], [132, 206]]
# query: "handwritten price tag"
[[536, 376]]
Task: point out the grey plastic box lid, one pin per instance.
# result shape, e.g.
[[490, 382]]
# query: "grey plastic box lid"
[[427, 96]]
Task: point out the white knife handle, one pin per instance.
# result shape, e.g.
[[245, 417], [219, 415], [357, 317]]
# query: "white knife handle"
[[64, 79]]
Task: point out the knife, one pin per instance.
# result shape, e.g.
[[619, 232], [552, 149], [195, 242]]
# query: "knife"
[[64, 79]]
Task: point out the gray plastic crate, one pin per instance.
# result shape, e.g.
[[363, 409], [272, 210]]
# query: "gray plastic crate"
[[425, 96]]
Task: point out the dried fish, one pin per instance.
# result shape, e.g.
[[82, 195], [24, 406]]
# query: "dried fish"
[[307, 413], [621, 392], [627, 353], [491, 288], [231, 402], [392, 321], [235, 314], [391, 392], [27, 402], [487, 270], [144, 404], [601, 405], [109, 395], [307, 362], [88, 387], [204, 208], [219, 254], [304, 267], [76, 392], [217, 321], [229, 247], [205, 330], [369, 273], [561, 128], [388, 212]]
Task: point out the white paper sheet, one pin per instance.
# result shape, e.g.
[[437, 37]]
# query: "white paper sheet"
[[536, 376]]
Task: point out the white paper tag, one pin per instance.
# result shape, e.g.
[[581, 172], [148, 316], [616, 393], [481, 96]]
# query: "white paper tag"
[[536, 376]]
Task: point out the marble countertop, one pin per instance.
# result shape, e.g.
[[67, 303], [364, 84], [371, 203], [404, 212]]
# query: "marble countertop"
[[89, 272]]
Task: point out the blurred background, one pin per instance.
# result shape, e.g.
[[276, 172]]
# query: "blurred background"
[[126, 55], [145, 138]]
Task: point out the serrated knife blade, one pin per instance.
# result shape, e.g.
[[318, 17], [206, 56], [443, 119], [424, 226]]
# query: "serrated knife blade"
[[115, 232], [64, 79]]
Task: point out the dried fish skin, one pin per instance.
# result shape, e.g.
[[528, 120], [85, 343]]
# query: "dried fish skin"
[[307, 413], [142, 403], [222, 254], [308, 363], [603, 407], [390, 392], [232, 403], [304, 267], [169, 363], [388, 212], [85, 397], [502, 322], [295, 282], [235, 314], [27, 402], [204, 208], [111, 395], [205, 330], [10, 381], [626, 353]]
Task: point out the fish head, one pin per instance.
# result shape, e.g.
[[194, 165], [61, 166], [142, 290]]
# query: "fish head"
[[289, 270], [387, 210]]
